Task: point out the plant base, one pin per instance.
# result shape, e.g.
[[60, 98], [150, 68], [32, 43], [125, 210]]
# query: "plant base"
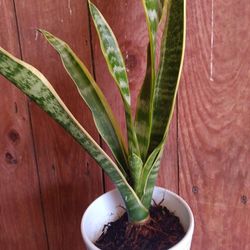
[[163, 231], [110, 206]]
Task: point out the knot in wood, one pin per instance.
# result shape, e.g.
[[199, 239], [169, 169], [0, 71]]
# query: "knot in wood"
[[10, 159], [243, 199], [14, 136], [195, 189]]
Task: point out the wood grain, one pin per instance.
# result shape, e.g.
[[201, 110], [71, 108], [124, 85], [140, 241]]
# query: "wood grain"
[[70, 179], [128, 23], [214, 118], [21, 218]]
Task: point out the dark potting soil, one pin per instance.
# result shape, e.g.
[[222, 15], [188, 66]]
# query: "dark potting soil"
[[163, 231]]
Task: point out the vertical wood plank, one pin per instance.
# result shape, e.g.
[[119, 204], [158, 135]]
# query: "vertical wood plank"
[[70, 179], [21, 218], [214, 118], [128, 23]]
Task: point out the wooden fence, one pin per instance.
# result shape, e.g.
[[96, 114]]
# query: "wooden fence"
[[47, 181]]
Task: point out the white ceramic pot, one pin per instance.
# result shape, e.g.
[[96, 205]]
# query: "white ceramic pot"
[[107, 208]]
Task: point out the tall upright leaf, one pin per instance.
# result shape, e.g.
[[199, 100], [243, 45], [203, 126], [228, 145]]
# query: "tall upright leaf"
[[90, 92], [37, 87], [166, 90], [168, 78], [143, 111], [143, 122], [117, 68]]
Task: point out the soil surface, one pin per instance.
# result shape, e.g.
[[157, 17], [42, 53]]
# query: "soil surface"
[[161, 232]]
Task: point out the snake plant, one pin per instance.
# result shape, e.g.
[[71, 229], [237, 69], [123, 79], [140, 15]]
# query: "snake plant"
[[136, 163]]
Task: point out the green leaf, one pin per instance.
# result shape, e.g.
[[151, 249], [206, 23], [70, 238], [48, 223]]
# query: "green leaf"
[[152, 9], [149, 175], [37, 87], [144, 110], [172, 54], [136, 164], [92, 95], [111, 52], [117, 68], [168, 78]]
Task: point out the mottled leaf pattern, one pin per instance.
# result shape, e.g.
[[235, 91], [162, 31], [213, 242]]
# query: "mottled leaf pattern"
[[111, 52], [37, 87], [144, 111], [171, 61], [152, 9], [166, 89], [136, 165], [92, 95], [144, 108], [116, 65]]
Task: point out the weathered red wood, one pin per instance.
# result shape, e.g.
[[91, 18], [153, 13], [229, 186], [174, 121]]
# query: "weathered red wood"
[[214, 118], [69, 178], [21, 218], [128, 23]]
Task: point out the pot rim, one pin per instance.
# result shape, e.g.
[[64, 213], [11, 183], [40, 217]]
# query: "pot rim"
[[188, 233]]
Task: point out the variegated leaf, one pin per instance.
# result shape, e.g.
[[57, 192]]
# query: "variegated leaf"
[[37, 87], [136, 164], [150, 181], [92, 95], [143, 122], [149, 174], [152, 10], [166, 89], [144, 112], [168, 78], [111, 52], [117, 68]]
